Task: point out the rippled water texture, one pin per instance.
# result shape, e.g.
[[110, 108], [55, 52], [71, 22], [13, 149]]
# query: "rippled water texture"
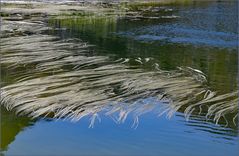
[[155, 80]]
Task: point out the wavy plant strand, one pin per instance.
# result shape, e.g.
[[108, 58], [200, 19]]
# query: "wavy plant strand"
[[56, 78]]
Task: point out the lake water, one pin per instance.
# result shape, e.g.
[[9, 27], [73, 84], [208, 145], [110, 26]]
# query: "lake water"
[[201, 35]]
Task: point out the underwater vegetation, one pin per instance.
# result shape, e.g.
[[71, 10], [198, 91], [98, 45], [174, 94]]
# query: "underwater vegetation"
[[59, 80], [56, 78]]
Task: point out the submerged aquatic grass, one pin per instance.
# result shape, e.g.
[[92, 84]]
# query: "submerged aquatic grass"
[[60, 80]]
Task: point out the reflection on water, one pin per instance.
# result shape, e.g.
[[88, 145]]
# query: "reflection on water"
[[173, 34], [201, 36], [208, 25], [154, 136], [211, 48], [11, 126]]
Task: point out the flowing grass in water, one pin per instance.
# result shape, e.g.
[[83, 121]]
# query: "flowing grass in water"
[[56, 78]]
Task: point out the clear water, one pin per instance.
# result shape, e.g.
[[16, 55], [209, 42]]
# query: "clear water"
[[202, 35], [153, 136]]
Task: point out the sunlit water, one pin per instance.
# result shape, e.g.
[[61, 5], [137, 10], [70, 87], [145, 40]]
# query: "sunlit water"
[[199, 35]]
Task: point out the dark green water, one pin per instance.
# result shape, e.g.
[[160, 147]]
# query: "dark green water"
[[204, 37], [200, 35]]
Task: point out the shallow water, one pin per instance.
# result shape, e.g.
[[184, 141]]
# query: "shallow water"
[[199, 35]]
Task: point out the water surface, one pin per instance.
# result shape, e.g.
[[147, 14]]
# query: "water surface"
[[201, 35]]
